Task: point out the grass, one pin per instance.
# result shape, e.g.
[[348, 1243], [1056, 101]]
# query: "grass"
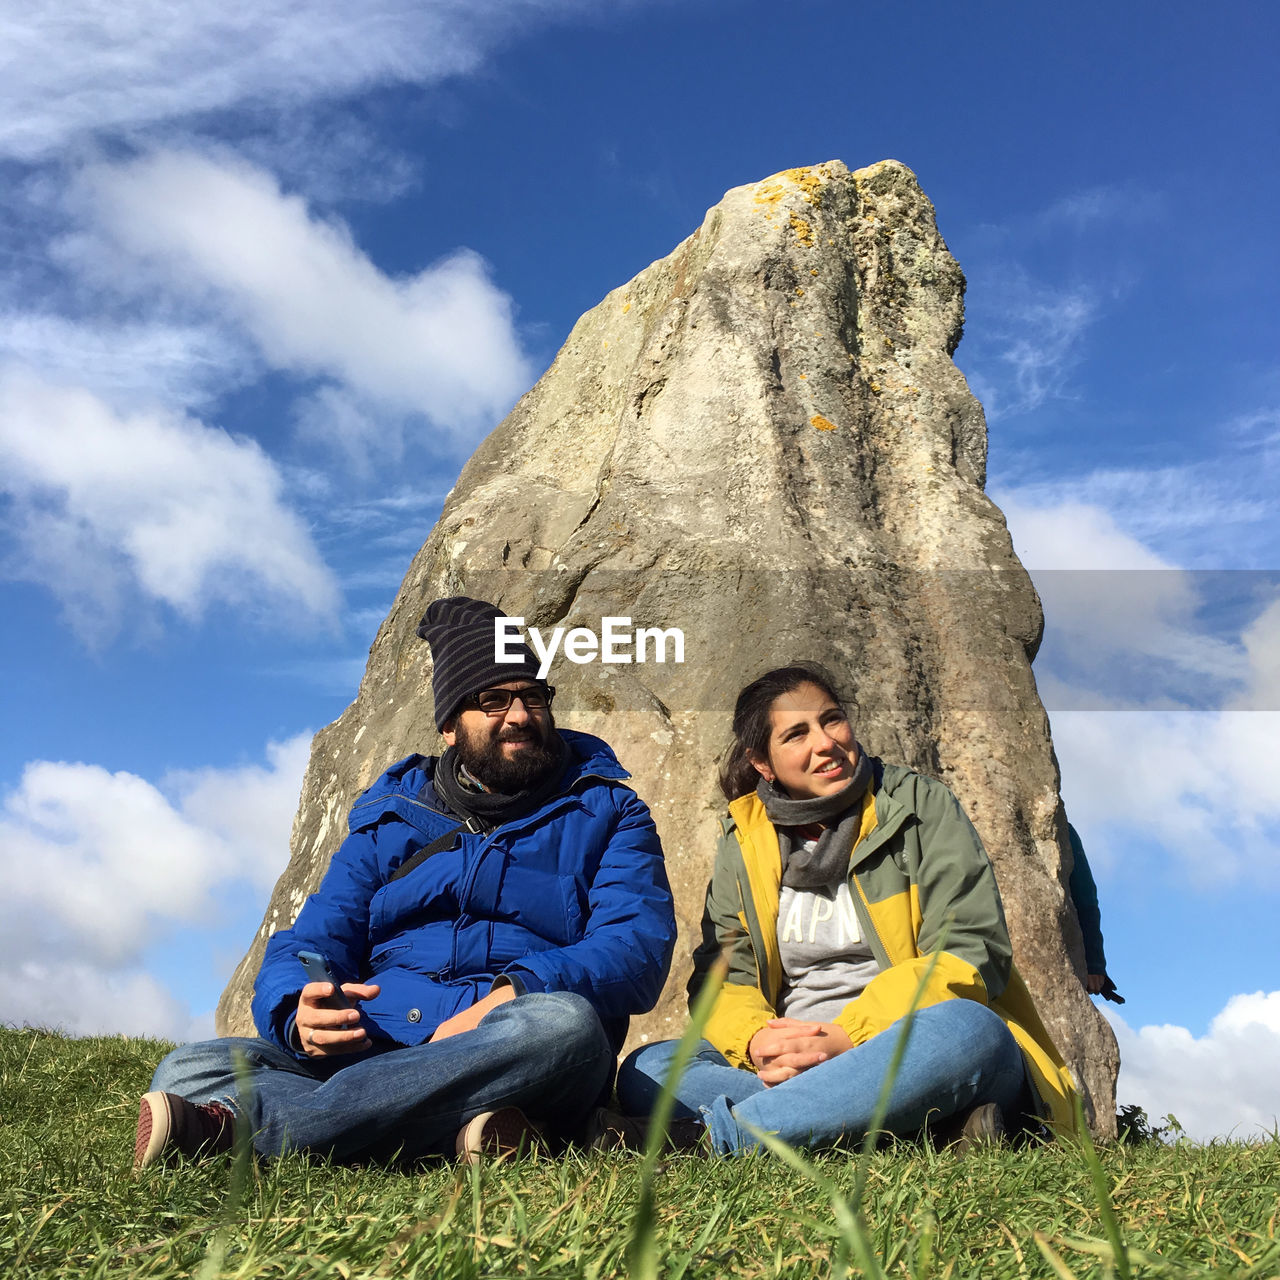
[[69, 1207]]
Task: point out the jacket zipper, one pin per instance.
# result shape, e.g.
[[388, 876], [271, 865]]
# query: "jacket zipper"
[[517, 827], [865, 914], [762, 978]]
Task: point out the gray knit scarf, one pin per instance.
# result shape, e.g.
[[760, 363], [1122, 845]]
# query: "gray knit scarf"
[[840, 814]]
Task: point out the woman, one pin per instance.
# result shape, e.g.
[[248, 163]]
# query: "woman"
[[841, 887]]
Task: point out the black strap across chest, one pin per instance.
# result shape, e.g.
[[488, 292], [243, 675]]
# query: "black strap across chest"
[[441, 844]]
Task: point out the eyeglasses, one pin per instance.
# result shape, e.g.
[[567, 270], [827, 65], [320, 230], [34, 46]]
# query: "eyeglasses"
[[497, 702]]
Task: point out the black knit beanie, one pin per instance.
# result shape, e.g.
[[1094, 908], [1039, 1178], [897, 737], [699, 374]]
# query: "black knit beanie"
[[460, 632]]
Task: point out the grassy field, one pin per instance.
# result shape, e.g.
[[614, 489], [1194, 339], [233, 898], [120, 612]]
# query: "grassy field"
[[69, 1207]]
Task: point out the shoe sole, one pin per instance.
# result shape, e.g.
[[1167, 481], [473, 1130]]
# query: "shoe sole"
[[983, 1128], [612, 1131], [155, 1128], [496, 1135]]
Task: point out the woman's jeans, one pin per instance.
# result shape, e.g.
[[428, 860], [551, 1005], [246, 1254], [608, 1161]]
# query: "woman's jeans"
[[545, 1053], [959, 1054]]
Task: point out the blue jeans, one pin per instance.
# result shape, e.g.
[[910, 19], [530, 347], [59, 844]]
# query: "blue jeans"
[[545, 1053], [959, 1054]]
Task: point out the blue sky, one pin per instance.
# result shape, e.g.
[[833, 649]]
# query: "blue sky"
[[268, 276]]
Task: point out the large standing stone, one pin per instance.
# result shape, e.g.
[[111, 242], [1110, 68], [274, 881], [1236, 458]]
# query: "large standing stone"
[[761, 440]]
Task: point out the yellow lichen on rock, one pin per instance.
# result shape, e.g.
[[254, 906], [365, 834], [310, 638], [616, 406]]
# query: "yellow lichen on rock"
[[809, 181], [804, 232], [769, 192], [821, 423]]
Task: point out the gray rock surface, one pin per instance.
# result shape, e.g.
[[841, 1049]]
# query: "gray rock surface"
[[761, 440]]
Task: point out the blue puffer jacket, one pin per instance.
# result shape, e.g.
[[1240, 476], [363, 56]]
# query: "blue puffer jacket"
[[572, 897]]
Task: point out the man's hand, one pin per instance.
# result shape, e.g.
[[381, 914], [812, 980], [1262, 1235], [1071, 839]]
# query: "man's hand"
[[327, 1032], [786, 1047], [469, 1019], [1094, 983]]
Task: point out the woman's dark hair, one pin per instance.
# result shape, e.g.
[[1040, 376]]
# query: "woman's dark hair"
[[752, 724]]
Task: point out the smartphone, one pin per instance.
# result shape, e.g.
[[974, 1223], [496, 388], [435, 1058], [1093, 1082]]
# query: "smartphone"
[[318, 970]]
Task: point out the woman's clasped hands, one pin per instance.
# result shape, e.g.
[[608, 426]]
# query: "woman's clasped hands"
[[784, 1047]]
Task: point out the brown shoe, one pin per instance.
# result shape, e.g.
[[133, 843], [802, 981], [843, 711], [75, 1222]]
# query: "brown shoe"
[[497, 1135], [983, 1126], [611, 1131], [169, 1125]]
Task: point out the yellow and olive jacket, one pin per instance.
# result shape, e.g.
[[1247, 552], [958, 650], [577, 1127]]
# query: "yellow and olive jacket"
[[918, 873]]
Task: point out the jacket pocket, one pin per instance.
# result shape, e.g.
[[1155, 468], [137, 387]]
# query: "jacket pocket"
[[379, 956], [539, 901], [574, 908]]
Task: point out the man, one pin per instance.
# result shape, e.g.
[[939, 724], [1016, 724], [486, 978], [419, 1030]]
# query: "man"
[[494, 917], [1084, 897]]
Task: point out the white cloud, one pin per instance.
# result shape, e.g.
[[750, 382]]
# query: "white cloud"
[[1223, 1084], [1203, 787], [1061, 531], [440, 343], [1128, 650], [1261, 640], [334, 157], [1118, 616], [1024, 335], [130, 364], [249, 809], [101, 504], [1023, 354], [100, 866], [1260, 427], [1090, 206], [1213, 514], [84, 67], [109, 861], [1218, 512], [82, 1000]]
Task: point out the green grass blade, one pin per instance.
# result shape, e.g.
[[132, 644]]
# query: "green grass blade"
[[895, 1065], [855, 1235], [241, 1159], [69, 1209], [1053, 1258], [242, 1151], [642, 1254], [1102, 1194]]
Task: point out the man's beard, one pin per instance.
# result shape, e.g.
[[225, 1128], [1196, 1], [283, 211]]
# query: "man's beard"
[[483, 759]]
